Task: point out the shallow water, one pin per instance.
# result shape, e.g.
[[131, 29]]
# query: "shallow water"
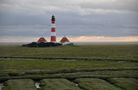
[[1, 85], [37, 85]]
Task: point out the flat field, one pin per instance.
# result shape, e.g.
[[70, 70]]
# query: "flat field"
[[113, 67], [91, 51]]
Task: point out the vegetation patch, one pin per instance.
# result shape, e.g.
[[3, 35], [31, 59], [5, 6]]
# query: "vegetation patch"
[[36, 65], [95, 84], [19, 84], [101, 51], [86, 65], [66, 69], [58, 84], [125, 83]]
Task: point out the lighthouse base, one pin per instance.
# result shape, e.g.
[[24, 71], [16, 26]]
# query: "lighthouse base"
[[42, 44]]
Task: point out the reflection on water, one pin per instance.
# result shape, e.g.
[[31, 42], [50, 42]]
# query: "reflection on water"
[[1, 85], [37, 85]]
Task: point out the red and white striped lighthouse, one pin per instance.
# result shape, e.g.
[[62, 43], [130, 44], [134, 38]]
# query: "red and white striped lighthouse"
[[53, 29]]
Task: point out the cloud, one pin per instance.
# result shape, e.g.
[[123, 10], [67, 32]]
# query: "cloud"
[[82, 7], [112, 5], [73, 39], [74, 17], [70, 28], [104, 39]]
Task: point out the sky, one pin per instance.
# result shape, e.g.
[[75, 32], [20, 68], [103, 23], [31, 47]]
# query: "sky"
[[80, 20]]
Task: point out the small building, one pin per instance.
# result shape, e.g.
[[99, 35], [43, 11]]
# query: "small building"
[[41, 40], [64, 40]]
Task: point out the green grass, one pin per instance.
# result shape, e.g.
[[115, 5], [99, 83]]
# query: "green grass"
[[123, 63], [103, 51], [67, 68], [95, 84], [83, 74], [21, 65], [58, 84], [126, 83], [20, 84]]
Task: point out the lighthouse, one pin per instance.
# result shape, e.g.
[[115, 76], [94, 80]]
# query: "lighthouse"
[[42, 42], [53, 29]]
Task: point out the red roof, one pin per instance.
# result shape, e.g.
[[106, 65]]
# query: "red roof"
[[42, 39], [64, 39]]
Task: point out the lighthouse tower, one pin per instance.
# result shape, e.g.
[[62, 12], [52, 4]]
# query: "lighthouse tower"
[[53, 29]]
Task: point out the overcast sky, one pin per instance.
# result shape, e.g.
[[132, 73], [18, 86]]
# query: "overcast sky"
[[109, 18]]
